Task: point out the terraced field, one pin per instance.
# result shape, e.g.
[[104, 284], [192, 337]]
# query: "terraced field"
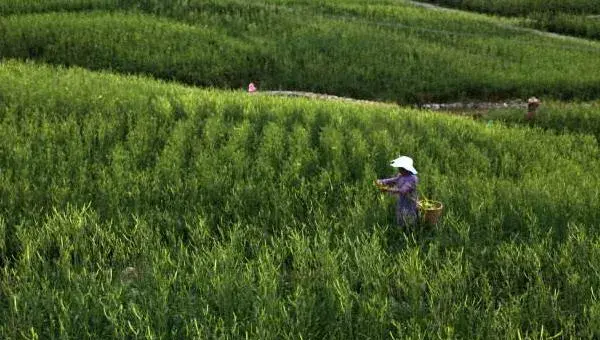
[[383, 51], [145, 194], [577, 18]]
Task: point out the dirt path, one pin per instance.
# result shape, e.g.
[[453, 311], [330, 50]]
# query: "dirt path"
[[322, 96], [457, 107]]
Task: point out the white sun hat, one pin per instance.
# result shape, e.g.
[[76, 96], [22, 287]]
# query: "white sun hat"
[[404, 163]]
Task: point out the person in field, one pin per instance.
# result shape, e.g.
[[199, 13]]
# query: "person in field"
[[532, 105], [404, 185]]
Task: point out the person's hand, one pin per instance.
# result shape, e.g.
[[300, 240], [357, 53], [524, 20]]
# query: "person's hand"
[[381, 186]]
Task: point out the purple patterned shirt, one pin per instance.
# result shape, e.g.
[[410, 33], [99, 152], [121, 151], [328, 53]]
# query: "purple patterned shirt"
[[406, 189]]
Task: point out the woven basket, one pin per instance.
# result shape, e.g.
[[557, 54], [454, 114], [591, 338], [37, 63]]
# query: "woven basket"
[[432, 213]]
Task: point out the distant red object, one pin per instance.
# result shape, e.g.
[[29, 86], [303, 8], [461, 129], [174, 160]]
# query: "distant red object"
[[251, 88]]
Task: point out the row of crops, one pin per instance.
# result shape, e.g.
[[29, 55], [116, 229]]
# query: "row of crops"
[[560, 117], [586, 26], [133, 208], [576, 18], [524, 7], [379, 51], [579, 18]]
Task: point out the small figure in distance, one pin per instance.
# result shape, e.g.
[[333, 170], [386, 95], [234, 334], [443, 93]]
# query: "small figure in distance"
[[532, 105], [404, 185], [251, 88]]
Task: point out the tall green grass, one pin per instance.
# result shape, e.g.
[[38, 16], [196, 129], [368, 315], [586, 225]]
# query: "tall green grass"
[[574, 18], [523, 7], [391, 53], [131, 44], [36, 6], [582, 118], [251, 216], [576, 25]]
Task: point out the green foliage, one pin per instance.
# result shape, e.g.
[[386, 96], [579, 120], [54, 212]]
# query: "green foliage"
[[129, 44], [585, 26], [392, 52], [560, 117], [575, 18], [132, 208], [523, 7], [30, 6]]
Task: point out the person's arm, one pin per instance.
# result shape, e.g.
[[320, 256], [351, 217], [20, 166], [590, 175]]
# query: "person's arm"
[[388, 181], [407, 185], [388, 184]]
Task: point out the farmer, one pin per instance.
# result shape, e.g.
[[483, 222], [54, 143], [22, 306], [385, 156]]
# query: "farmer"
[[404, 184], [532, 105]]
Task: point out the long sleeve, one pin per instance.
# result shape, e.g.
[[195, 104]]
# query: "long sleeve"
[[389, 181], [404, 185]]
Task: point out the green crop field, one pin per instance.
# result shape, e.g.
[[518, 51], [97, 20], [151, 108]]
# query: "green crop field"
[[524, 7], [577, 18], [396, 53], [587, 26], [255, 215], [144, 194], [560, 117]]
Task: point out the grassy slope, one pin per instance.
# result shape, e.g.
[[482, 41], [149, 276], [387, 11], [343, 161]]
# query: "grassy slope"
[[524, 7], [569, 24], [100, 172], [576, 18], [257, 214], [387, 52], [561, 117]]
